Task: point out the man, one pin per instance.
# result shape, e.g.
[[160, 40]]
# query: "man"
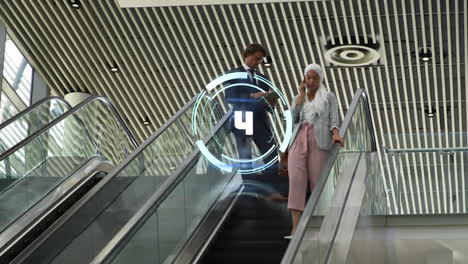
[[245, 97]]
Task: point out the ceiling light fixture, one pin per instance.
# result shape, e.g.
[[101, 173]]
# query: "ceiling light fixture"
[[430, 112], [75, 3], [146, 121], [113, 66], [267, 61], [425, 56]]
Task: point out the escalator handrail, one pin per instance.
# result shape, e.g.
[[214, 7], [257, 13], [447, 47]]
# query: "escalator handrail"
[[31, 108], [140, 217], [295, 243], [75, 109]]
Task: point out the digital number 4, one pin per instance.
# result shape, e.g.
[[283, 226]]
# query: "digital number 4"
[[247, 125]]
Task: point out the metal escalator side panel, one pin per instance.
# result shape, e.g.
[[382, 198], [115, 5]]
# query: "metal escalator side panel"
[[350, 212], [18, 233], [332, 218], [205, 233]]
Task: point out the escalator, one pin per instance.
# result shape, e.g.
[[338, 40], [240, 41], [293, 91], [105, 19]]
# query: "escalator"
[[49, 170], [105, 208], [205, 216]]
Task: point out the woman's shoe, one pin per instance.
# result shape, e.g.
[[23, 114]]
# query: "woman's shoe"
[[288, 237]]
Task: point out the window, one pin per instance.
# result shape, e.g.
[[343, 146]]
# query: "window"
[[7, 108], [17, 71]]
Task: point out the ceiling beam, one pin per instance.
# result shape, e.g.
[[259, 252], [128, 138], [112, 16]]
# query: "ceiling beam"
[[159, 3]]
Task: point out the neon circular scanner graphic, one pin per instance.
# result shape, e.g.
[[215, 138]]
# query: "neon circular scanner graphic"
[[206, 113]]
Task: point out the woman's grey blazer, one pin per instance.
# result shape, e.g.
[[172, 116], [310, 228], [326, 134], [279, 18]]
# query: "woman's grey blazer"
[[326, 121]]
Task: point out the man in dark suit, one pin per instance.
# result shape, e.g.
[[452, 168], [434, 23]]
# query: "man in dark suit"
[[245, 98]]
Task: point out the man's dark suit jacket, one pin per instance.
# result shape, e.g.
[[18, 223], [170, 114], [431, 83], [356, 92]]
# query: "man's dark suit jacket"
[[239, 98]]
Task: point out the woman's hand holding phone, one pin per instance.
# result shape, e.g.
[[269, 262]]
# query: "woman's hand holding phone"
[[302, 87], [302, 93]]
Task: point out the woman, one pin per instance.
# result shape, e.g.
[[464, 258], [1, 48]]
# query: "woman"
[[315, 115]]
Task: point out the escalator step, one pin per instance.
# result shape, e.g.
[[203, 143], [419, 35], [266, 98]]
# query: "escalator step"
[[260, 204], [256, 214], [251, 229], [249, 235], [258, 224], [253, 233], [250, 245], [245, 257]]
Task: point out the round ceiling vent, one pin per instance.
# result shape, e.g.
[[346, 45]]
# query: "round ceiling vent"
[[352, 55]]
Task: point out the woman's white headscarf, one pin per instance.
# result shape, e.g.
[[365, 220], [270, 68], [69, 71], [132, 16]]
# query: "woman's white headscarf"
[[320, 99]]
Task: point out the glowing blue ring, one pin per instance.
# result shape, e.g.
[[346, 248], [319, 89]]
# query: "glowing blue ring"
[[219, 80]]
